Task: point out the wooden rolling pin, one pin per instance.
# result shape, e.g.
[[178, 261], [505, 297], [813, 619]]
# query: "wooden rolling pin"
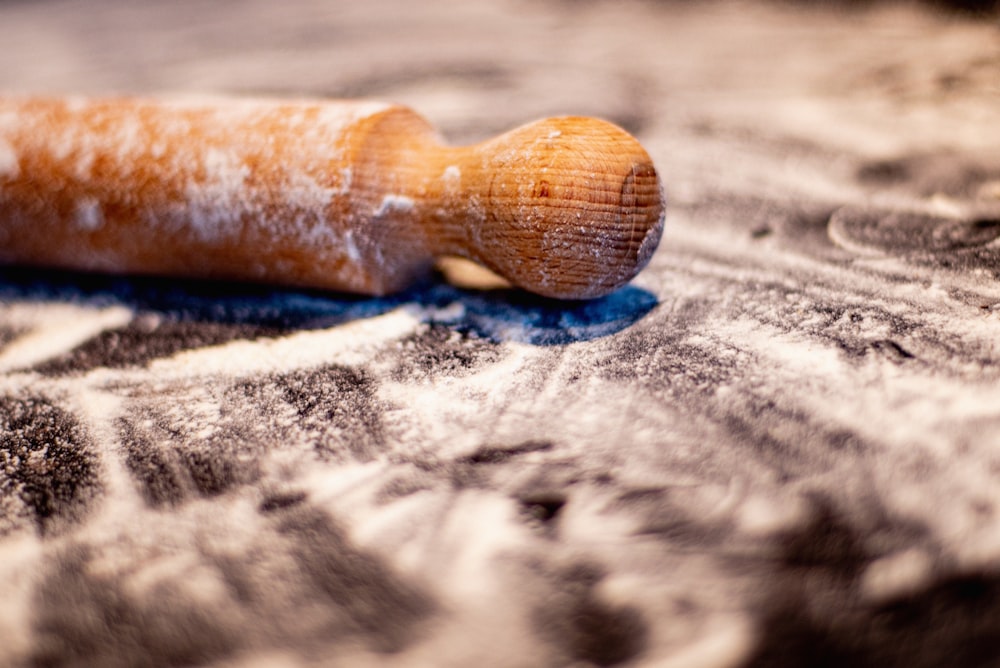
[[341, 195]]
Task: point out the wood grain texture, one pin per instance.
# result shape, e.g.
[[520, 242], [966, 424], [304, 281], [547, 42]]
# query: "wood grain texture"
[[351, 196]]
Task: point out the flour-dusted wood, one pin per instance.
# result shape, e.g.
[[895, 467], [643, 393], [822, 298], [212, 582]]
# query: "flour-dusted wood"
[[343, 195]]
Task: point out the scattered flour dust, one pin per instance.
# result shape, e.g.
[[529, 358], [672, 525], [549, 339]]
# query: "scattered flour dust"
[[452, 178], [353, 252], [393, 203], [338, 115], [9, 164], [216, 204], [346, 178], [89, 215], [233, 109], [306, 193]]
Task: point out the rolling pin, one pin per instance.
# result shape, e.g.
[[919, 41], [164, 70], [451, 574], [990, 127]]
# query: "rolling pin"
[[351, 196]]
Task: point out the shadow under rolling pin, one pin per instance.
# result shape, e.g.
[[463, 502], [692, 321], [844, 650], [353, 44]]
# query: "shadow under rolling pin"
[[341, 195]]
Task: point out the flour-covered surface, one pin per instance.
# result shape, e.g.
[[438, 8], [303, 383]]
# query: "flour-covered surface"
[[779, 446]]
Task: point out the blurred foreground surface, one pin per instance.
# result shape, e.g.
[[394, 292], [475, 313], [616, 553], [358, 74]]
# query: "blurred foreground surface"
[[778, 446]]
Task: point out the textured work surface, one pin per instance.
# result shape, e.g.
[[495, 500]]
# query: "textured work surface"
[[780, 444]]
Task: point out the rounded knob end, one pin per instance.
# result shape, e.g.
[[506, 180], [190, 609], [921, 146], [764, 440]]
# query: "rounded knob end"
[[574, 208]]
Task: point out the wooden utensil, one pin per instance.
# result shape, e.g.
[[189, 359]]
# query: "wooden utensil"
[[343, 195]]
